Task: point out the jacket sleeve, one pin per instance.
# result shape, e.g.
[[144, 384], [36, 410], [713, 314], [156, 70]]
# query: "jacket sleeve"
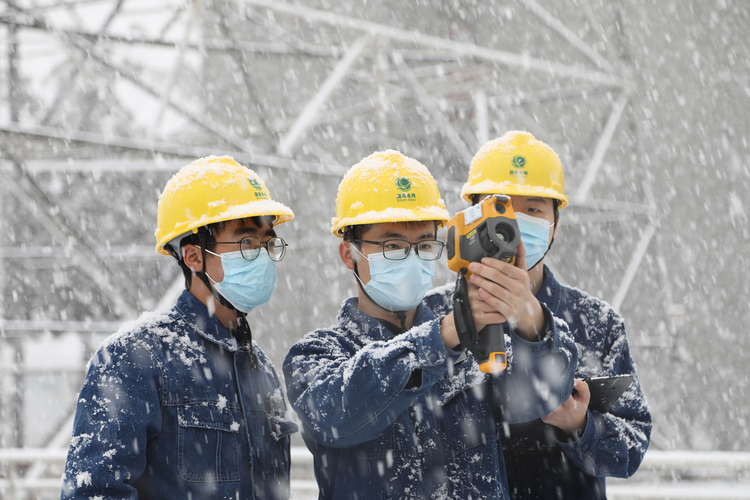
[[614, 443], [348, 394], [118, 412], [540, 375]]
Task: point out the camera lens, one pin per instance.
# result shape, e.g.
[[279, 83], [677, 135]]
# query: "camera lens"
[[505, 233]]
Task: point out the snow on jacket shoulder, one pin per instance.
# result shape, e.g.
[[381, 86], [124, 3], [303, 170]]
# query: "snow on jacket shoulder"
[[171, 408], [613, 443], [378, 431]]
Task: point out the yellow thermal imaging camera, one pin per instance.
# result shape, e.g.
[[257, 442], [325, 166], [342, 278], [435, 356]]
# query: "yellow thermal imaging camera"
[[488, 229]]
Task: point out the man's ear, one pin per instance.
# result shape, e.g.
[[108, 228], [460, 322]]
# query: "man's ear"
[[192, 257], [554, 232], [345, 252]]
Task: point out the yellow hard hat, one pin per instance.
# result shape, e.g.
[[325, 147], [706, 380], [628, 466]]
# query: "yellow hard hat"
[[387, 187], [209, 190], [516, 163]]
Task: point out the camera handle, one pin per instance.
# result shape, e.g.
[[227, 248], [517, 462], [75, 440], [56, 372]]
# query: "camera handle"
[[490, 351]]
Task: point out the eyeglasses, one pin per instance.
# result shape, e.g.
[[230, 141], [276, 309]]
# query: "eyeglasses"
[[399, 249], [250, 247]]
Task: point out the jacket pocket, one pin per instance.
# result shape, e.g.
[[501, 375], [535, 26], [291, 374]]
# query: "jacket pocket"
[[397, 440], [469, 422], [208, 443]]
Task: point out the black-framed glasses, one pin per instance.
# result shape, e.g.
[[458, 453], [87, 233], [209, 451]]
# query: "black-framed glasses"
[[250, 247], [399, 249]]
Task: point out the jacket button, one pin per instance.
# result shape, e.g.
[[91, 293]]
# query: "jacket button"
[[432, 357], [227, 418]]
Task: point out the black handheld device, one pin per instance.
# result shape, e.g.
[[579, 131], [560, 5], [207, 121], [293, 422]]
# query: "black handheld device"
[[605, 391]]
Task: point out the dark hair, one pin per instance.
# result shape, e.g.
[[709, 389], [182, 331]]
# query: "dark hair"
[[352, 233], [210, 231]]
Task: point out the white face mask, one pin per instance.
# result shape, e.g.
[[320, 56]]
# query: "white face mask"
[[535, 237], [247, 284], [398, 285]]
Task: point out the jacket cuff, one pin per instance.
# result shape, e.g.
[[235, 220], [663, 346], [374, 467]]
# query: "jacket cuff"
[[548, 337], [589, 440]]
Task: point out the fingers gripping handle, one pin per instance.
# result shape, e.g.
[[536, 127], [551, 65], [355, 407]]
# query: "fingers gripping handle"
[[490, 350]]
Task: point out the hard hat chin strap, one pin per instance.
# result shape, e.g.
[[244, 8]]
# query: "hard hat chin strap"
[[242, 333], [203, 235]]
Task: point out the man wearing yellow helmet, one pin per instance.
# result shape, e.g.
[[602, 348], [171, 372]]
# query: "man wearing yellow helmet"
[[568, 453], [392, 406], [182, 403]]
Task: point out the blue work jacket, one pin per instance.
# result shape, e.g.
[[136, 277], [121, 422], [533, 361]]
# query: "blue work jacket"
[[543, 463], [172, 408], [403, 417]]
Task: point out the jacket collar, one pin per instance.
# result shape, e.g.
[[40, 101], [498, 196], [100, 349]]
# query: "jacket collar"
[[369, 329], [550, 292], [196, 315]]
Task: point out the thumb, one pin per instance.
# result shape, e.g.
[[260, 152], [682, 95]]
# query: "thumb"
[[521, 256], [583, 390]]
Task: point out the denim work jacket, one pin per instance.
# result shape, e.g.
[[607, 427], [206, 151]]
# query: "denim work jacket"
[[403, 417], [171, 408], [543, 464]]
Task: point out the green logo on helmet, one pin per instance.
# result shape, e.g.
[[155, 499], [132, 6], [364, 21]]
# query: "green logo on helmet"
[[259, 195], [519, 161], [403, 184]]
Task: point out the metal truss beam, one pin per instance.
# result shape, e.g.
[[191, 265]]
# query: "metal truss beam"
[[166, 97], [90, 50], [615, 206], [633, 266], [601, 148], [575, 91], [209, 45], [432, 107], [65, 86], [13, 87], [461, 48], [23, 187], [493, 102], [248, 158], [307, 117], [568, 35], [200, 119]]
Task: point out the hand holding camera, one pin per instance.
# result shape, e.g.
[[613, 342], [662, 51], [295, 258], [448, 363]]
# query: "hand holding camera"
[[507, 290], [483, 244]]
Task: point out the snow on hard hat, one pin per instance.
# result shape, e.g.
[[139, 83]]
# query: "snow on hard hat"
[[387, 186], [209, 190], [519, 164]]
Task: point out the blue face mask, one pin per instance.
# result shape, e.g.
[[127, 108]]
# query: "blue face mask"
[[247, 284], [398, 285], [535, 236]]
